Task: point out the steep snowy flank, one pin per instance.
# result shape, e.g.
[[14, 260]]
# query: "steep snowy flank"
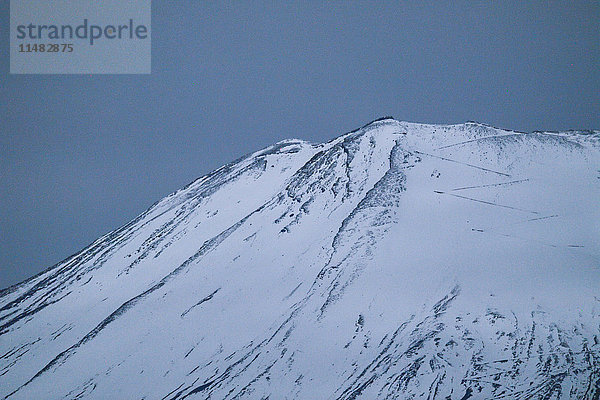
[[397, 261]]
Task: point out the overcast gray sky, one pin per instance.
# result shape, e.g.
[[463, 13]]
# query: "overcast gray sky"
[[82, 155]]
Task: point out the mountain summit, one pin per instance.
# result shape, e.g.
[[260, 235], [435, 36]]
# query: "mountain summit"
[[397, 261]]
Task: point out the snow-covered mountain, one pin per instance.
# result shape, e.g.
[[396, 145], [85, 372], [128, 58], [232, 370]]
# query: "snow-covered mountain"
[[397, 261]]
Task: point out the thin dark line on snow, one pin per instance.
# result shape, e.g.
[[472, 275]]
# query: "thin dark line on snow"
[[491, 185], [539, 218], [463, 163], [476, 140], [506, 225], [486, 202], [571, 247]]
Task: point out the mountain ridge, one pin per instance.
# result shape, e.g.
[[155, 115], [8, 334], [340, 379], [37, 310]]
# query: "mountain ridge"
[[264, 261]]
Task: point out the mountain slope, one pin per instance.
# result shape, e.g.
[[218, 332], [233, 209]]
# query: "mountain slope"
[[399, 260]]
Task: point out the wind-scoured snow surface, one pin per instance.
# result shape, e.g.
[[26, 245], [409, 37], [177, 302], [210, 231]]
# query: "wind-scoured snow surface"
[[398, 261]]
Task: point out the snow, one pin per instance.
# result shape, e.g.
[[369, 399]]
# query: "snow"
[[399, 260]]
